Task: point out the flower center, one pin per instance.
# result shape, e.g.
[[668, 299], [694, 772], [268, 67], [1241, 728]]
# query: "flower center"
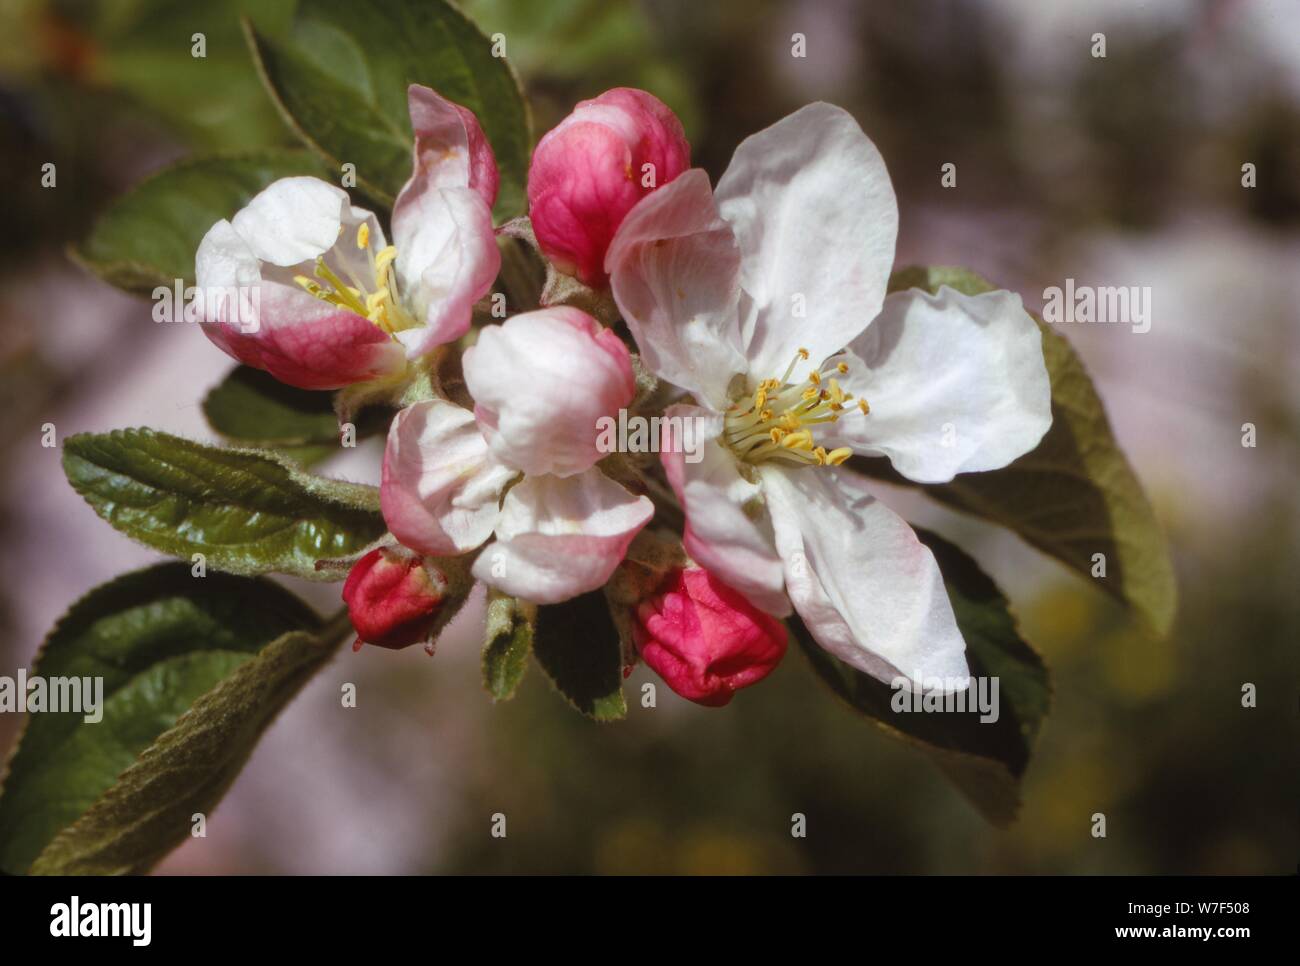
[[778, 421], [376, 300]]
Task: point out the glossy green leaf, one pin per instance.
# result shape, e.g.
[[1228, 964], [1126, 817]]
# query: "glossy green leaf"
[[159, 639], [509, 641], [985, 759], [247, 512], [576, 644], [340, 75], [1075, 494], [147, 237]]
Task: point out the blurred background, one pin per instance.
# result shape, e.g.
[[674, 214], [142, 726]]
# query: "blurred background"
[[1123, 171]]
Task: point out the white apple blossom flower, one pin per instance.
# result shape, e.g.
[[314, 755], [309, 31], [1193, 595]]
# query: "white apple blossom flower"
[[766, 300], [540, 381], [336, 304]]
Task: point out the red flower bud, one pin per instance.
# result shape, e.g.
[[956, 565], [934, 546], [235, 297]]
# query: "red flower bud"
[[704, 639], [589, 171], [393, 598]]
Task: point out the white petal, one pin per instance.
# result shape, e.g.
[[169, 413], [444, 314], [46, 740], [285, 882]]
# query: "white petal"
[[441, 487], [727, 529], [558, 538], [447, 259], [542, 383], [675, 273], [867, 589], [814, 213], [293, 220], [956, 384], [225, 260]]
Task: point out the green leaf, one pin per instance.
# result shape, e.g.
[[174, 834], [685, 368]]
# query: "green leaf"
[[247, 512], [1075, 494], [577, 646], [341, 73], [253, 408], [147, 237], [985, 759], [148, 810], [159, 638], [509, 642]]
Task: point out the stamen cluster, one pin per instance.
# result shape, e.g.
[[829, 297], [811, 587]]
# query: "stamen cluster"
[[377, 301], [777, 424]]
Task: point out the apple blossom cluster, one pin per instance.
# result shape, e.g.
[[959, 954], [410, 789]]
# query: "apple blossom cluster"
[[756, 307]]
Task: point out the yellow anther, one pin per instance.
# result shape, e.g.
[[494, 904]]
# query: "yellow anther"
[[815, 377], [800, 440], [811, 393], [837, 456], [837, 394], [862, 404], [760, 399], [765, 415], [803, 354], [308, 284], [775, 434], [363, 236], [843, 368], [375, 300], [383, 259]]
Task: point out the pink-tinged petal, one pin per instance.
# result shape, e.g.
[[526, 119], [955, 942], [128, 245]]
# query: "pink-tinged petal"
[[727, 528], [705, 639], [447, 259], [867, 589], [301, 340], [451, 150], [251, 307], [558, 538], [542, 383], [308, 343], [675, 273], [590, 170], [956, 384], [393, 598], [815, 217], [441, 488]]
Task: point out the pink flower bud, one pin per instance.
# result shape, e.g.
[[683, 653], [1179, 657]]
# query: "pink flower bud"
[[393, 598], [590, 170], [704, 639]]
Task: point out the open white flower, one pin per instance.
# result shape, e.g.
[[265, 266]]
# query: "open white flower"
[[540, 382], [759, 299], [335, 303]]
